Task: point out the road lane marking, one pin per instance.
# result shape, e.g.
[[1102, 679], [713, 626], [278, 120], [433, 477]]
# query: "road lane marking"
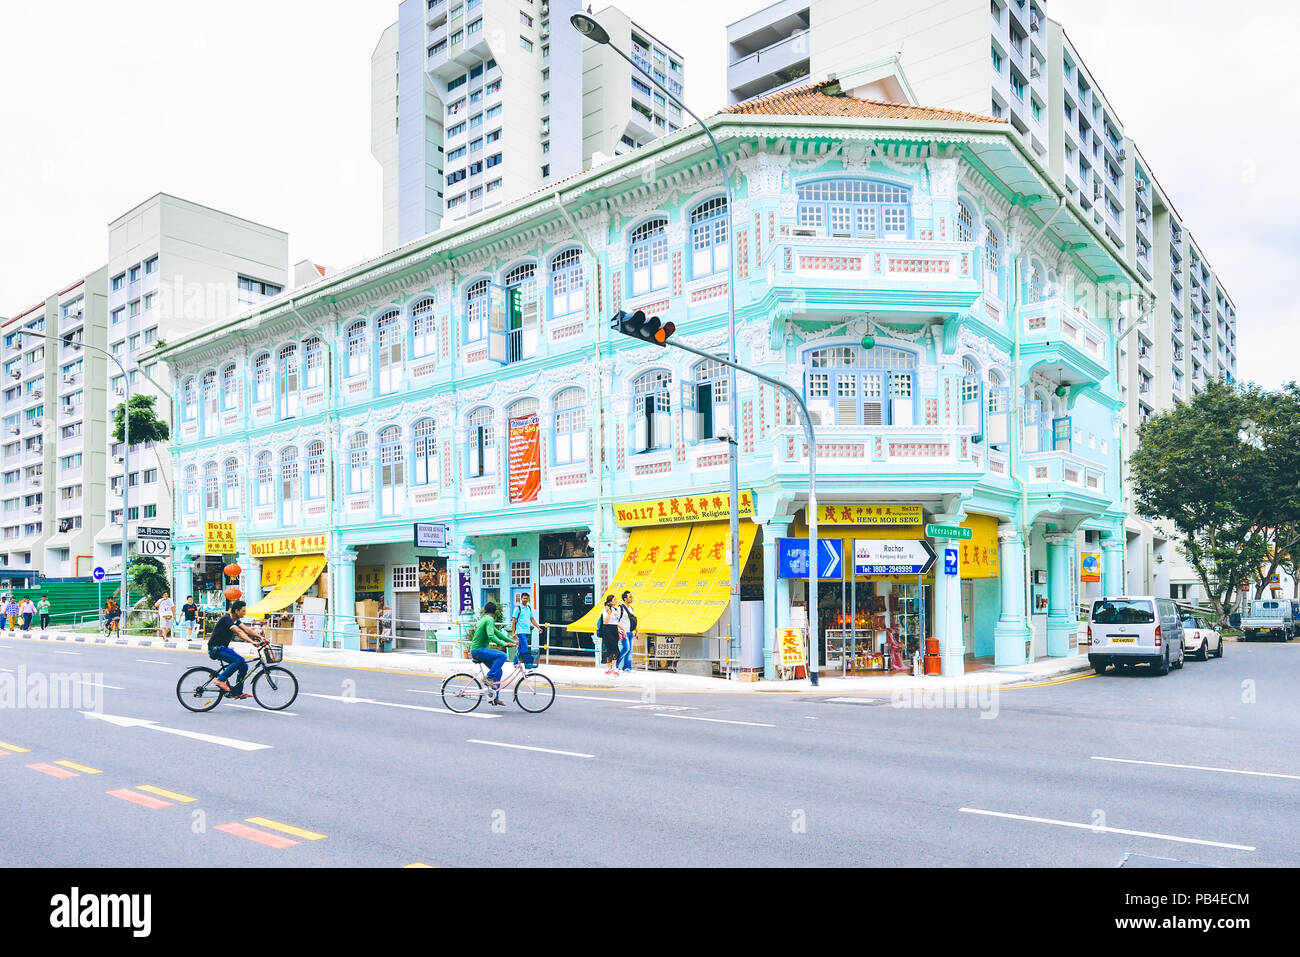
[[524, 747], [394, 704], [98, 684], [126, 794], [67, 652], [52, 771], [14, 748], [125, 722], [592, 697], [9, 670], [1107, 830], [163, 792], [1200, 767], [252, 834], [305, 834], [691, 717], [249, 707], [150, 661], [78, 767]]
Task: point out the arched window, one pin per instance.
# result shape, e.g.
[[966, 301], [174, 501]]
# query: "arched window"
[[290, 500], [192, 490], [649, 255], [211, 404], [710, 243], [568, 287], [229, 388], [521, 342], [992, 263], [652, 405], [970, 394], [570, 427], [707, 393], [262, 378], [424, 460], [189, 400], [476, 311], [358, 463], [965, 223], [265, 479], [313, 355], [482, 437], [392, 353], [231, 484], [211, 490], [1035, 291], [854, 207], [392, 471], [290, 390], [316, 470], [355, 337], [852, 386], [423, 328]]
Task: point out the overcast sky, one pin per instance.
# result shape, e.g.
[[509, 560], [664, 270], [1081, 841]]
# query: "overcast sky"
[[262, 108]]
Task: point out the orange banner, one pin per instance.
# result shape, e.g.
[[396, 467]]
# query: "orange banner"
[[525, 452]]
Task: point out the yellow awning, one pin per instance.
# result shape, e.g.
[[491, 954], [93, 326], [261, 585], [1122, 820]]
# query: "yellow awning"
[[647, 550], [700, 589], [295, 578], [273, 570]]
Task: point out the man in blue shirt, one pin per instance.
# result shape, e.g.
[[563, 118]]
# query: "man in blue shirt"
[[521, 624]]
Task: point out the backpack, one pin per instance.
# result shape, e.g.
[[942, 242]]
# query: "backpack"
[[631, 616]]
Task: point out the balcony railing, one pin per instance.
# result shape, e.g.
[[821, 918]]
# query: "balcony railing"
[[1066, 468]]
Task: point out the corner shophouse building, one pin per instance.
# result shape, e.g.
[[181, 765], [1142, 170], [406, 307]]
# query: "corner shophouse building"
[[470, 379]]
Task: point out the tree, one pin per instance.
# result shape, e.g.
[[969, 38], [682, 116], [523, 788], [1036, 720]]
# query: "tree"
[[145, 424], [147, 575], [1274, 488]]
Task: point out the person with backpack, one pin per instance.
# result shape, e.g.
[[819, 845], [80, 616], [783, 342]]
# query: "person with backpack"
[[521, 626], [626, 630]]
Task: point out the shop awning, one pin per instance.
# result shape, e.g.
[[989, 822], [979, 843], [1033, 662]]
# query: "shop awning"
[[652, 554], [699, 591], [299, 575]]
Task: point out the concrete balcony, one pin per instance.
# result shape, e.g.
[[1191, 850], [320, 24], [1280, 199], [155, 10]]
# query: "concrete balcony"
[[753, 70], [1069, 470], [1058, 333], [847, 450]]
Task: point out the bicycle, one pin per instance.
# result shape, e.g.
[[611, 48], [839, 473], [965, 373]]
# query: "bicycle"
[[274, 686], [462, 692]]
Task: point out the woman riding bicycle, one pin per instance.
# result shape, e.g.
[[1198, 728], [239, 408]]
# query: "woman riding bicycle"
[[486, 635]]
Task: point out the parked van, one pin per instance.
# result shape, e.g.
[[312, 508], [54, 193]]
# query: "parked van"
[[1132, 630]]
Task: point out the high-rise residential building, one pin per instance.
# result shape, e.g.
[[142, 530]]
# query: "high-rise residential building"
[[478, 102], [173, 266], [1008, 59]]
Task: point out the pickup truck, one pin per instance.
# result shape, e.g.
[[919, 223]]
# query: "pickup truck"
[[1270, 619]]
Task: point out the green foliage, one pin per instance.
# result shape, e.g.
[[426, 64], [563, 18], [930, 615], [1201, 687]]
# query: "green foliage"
[[147, 575], [145, 424]]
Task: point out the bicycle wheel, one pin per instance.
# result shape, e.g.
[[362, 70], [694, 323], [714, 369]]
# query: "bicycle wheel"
[[534, 693], [462, 693], [275, 688], [197, 689]]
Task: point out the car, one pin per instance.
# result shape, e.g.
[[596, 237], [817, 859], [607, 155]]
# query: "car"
[[1130, 630], [1202, 640]]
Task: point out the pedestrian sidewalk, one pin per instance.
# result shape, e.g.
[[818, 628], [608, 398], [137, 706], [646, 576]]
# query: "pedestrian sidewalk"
[[1047, 669]]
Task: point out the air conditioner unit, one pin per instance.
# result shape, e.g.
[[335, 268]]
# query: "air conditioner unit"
[[1096, 189], [1121, 154], [36, 423], [117, 458], [545, 34], [1034, 72], [1035, 23], [37, 480], [37, 394], [1141, 186], [70, 379], [15, 374]]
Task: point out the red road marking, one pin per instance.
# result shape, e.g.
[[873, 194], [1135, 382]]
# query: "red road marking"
[[126, 794], [52, 771], [252, 834]]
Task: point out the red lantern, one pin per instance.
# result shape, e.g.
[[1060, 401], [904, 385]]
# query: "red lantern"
[[233, 570], [233, 593]]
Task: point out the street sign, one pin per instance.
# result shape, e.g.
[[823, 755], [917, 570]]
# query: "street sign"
[[97, 574], [428, 535], [950, 561], [892, 556], [792, 558], [947, 531]]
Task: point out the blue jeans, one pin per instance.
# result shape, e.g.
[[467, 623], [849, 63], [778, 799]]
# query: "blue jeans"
[[234, 662], [625, 653], [493, 659], [525, 653]]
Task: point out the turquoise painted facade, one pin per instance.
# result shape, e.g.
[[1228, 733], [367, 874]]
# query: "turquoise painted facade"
[[380, 397]]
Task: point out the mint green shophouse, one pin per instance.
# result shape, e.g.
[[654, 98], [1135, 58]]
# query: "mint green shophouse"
[[400, 391]]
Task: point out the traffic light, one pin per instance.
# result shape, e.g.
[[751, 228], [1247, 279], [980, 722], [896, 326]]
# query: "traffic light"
[[636, 325]]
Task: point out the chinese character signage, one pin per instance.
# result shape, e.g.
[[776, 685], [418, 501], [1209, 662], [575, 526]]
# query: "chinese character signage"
[[219, 538], [979, 555], [790, 647], [370, 578], [869, 514], [302, 545], [704, 507], [525, 452]]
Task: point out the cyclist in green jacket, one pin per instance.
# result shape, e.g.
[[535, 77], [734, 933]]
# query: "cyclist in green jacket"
[[486, 635]]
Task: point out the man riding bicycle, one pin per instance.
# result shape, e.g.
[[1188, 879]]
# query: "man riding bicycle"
[[486, 635], [227, 630]]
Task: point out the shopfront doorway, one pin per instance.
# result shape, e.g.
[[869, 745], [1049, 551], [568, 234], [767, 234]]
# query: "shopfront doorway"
[[566, 586]]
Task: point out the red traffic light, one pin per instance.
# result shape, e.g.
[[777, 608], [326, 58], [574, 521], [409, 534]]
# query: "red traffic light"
[[638, 326]]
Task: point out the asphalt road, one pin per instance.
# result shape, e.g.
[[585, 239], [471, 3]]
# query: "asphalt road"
[[368, 768]]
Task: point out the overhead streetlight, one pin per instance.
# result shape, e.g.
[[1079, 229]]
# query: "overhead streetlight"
[[589, 28]]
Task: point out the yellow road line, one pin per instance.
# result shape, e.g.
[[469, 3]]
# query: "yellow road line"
[[14, 748], [79, 767], [163, 792], [416, 864], [286, 828]]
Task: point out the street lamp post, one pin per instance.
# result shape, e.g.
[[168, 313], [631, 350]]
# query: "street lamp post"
[[126, 442], [593, 31]]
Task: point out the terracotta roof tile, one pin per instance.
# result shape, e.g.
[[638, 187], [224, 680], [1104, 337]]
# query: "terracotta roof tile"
[[813, 101]]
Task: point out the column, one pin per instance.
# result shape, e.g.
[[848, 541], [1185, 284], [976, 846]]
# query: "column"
[[1062, 619], [947, 606], [252, 580], [776, 591], [184, 571], [1112, 564], [343, 598], [1012, 630]]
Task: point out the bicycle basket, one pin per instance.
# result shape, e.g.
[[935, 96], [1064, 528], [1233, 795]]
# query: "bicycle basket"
[[273, 654]]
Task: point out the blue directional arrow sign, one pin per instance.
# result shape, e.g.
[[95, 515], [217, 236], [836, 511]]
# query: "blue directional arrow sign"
[[98, 574], [793, 558]]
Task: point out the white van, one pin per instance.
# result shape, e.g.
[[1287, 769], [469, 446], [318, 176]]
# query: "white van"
[[1132, 630]]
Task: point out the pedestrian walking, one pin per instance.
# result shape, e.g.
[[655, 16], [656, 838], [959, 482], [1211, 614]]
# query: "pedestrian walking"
[[166, 611], [11, 613], [627, 630], [43, 609], [609, 633], [190, 615], [521, 626], [27, 610]]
